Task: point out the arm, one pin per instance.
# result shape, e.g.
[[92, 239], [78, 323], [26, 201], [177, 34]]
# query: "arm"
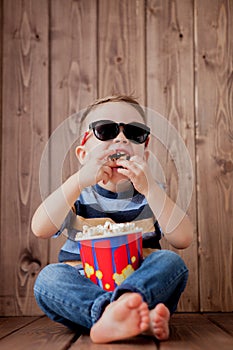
[[175, 224], [51, 213]]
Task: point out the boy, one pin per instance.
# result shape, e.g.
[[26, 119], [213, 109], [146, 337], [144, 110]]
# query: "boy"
[[123, 190]]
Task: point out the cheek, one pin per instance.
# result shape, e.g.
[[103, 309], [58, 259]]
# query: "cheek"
[[139, 150], [94, 144]]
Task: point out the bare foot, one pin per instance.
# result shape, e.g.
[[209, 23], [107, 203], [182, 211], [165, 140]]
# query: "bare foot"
[[159, 322], [126, 317]]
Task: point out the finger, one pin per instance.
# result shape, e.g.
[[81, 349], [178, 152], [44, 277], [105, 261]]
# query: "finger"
[[124, 163], [136, 181], [136, 174], [133, 160], [107, 174], [107, 170], [125, 172], [130, 165], [105, 178], [136, 159]]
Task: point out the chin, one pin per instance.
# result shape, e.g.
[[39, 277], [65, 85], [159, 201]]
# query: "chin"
[[119, 178]]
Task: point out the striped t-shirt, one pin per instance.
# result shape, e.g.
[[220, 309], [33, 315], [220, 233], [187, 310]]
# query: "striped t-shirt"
[[95, 205]]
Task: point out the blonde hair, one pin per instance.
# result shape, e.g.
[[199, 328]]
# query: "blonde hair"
[[115, 98]]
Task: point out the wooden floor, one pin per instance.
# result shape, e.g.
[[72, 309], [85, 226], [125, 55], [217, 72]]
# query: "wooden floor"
[[188, 331]]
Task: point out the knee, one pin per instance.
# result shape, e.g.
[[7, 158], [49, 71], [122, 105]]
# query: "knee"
[[41, 280], [169, 259], [172, 257], [47, 279]]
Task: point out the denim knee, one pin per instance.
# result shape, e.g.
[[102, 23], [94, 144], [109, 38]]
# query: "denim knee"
[[65, 295], [48, 281], [162, 277], [176, 277], [169, 256], [171, 262], [46, 278]]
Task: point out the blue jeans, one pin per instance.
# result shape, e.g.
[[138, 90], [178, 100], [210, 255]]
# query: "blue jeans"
[[67, 297]]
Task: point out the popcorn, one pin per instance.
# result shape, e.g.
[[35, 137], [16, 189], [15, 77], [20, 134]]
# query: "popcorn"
[[107, 229], [110, 252], [119, 155]]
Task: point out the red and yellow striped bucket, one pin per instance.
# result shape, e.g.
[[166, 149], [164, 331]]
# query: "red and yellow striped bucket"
[[108, 261]]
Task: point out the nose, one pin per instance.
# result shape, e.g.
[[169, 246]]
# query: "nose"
[[120, 138]]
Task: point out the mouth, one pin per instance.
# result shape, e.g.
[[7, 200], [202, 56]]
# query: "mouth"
[[117, 167], [119, 155], [113, 158]]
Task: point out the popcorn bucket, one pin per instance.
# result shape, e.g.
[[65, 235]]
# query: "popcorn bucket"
[[108, 261]]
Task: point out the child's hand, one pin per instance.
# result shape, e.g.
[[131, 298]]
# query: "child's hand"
[[138, 172], [95, 168]]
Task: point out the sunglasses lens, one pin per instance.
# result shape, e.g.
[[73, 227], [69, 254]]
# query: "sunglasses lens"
[[106, 131], [136, 133]]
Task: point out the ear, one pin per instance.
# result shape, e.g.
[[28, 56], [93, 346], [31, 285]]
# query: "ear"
[[146, 154], [147, 141], [81, 154]]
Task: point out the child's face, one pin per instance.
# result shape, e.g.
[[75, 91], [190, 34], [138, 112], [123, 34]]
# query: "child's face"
[[119, 112]]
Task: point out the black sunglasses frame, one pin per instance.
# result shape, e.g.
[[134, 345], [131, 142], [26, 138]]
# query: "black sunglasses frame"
[[127, 130]]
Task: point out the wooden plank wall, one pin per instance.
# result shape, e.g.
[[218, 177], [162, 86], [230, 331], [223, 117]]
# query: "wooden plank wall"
[[214, 117], [176, 57], [24, 132]]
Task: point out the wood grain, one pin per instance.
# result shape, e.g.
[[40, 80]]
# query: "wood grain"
[[195, 332], [176, 57], [222, 320], [188, 331], [73, 84], [84, 342], [9, 325], [41, 334], [24, 130], [170, 87], [214, 101], [1, 85], [121, 48], [73, 73]]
